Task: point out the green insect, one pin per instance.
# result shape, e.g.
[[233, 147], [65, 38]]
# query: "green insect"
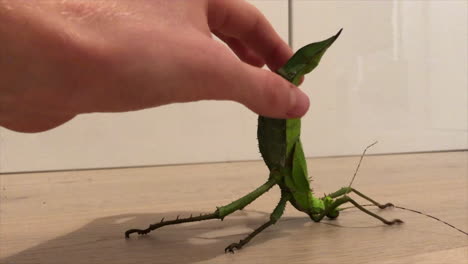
[[281, 149]]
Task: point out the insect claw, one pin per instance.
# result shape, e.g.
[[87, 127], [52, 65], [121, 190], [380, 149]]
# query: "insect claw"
[[394, 221], [177, 217], [386, 205], [162, 220]]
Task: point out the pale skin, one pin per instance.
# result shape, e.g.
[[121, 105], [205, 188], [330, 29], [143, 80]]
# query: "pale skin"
[[59, 59]]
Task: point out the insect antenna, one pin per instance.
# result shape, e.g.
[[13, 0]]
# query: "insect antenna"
[[394, 206], [359, 165], [414, 211], [433, 217]]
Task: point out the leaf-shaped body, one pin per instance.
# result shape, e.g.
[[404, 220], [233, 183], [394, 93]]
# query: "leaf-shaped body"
[[279, 139], [305, 59]]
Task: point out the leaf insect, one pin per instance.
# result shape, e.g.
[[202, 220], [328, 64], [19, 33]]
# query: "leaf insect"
[[281, 149]]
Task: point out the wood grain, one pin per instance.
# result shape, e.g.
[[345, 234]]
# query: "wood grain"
[[80, 216]]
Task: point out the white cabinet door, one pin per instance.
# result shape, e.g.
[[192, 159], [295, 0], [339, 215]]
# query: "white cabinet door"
[[397, 74], [180, 133]]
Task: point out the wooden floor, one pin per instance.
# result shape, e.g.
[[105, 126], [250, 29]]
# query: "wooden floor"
[[79, 217]]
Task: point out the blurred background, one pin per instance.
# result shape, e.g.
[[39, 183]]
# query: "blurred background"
[[397, 74]]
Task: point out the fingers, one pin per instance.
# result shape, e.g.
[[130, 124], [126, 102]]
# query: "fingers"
[[243, 52], [248, 33], [240, 20], [268, 94], [262, 91], [219, 75]]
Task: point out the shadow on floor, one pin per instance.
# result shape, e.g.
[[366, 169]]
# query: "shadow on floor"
[[102, 240]]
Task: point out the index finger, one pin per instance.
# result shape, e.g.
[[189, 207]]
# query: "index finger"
[[243, 21]]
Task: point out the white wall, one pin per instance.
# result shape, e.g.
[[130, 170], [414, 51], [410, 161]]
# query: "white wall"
[[398, 74], [179, 133]]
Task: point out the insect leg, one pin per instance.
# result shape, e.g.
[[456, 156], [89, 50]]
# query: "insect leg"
[[220, 212], [346, 190], [381, 206], [274, 217], [242, 202], [385, 221], [345, 199], [171, 222]]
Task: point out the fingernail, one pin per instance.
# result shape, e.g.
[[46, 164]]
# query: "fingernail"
[[298, 103]]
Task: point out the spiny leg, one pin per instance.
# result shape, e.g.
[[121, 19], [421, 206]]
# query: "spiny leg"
[[345, 199], [346, 190], [381, 206], [220, 212], [385, 221], [171, 222], [274, 217], [244, 241]]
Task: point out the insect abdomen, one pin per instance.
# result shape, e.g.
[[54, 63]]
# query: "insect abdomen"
[[271, 135]]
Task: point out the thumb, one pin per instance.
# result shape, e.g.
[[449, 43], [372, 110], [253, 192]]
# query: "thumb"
[[268, 94]]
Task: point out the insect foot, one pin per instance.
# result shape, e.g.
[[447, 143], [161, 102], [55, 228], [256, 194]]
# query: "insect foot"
[[138, 231], [386, 205], [232, 247], [394, 221]]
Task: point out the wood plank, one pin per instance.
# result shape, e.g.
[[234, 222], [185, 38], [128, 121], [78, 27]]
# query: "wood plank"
[[80, 216]]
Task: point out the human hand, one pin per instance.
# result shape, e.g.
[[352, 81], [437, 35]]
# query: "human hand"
[[63, 58]]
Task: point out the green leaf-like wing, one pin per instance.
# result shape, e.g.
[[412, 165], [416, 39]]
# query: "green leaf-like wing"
[[306, 59]]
